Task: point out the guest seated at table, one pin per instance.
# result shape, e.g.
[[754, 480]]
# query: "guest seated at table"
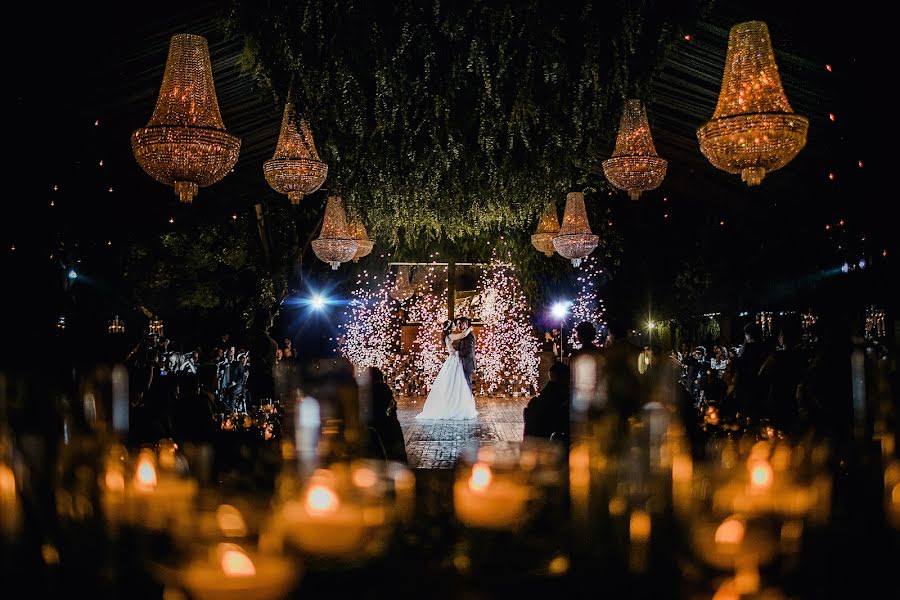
[[548, 412]]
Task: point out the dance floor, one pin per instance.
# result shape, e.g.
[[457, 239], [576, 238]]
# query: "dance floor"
[[437, 444]]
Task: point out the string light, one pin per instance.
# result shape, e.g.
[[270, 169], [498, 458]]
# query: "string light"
[[101, 162], [510, 367], [55, 188], [828, 67], [860, 164], [587, 306], [831, 176], [430, 310], [52, 203], [97, 123], [722, 222], [687, 37], [234, 217], [110, 190], [831, 116], [171, 219]]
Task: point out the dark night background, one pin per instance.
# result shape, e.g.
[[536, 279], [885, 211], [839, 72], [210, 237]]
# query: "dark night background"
[[737, 248]]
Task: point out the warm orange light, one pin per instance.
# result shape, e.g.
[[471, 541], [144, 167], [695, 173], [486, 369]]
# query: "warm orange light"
[[639, 526], [895, 495], [687, 37], [235, 562], [761, 475], [230, 521], [481, 477], [321, 499], [682, 468], [115, 481], [364, 477], [7, 484], [731, 531], [145, 474], [831, 116]]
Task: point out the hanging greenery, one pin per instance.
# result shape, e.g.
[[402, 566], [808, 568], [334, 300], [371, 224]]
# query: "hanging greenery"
[[444, 120]]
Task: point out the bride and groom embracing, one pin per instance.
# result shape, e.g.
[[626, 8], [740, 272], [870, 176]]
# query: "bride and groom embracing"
[[451, 396]]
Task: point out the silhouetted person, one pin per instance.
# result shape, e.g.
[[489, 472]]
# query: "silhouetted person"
[[548, 412], [826, 392], [389, 444], [623, 385], [713, 387], [748, 388], [586, 334], [782, 373], [261, 383]]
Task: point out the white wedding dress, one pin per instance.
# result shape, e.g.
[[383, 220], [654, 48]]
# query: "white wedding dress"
[[450, 397]]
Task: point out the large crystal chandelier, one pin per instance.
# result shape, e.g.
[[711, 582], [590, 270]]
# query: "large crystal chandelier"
[[634, 167], [575, 239], [547, 229], [185, 144], [403, 289], [334, 244], [358, 232], [754, 129], [295, 169]]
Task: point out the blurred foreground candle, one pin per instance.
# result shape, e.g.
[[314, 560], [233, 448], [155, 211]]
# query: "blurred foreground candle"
[[10, 512], [487, 502], [231, 573], [892, 493]]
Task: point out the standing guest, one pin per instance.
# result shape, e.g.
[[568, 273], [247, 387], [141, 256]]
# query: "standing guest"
[[557, 343], [261, 384], [547, 358], [782, 373], [547, 414], [586, 335], [388, 443], [719, 360], [645, 359], [288, 345], [748, 387]]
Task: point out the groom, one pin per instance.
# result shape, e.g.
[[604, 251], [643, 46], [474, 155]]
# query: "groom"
[[466, 349]]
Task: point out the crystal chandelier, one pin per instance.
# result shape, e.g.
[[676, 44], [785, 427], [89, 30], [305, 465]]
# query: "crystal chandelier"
[[575, 240], [358, 232], [185, 144], [754, 129], [334, 244], [117, 325], [547, 229], [634, 167], [403, 289], [156, 326], [295, 169]]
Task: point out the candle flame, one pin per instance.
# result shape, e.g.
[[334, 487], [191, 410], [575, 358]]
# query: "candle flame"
[[761, 475], [321, 499], [481, 477], [731, 531], [146, 472], [235, 562]]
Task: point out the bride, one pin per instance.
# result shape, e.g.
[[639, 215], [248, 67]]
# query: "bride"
[[450, 397]]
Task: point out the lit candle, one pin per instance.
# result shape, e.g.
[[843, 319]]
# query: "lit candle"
[[489, 502], [322, 523], [761, 476], [725, 544], [152, 499], [231, 573]]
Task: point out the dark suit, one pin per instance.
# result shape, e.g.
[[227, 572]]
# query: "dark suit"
[[467, 356]]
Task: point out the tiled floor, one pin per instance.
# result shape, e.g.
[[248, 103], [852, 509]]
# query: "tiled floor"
[[437, 444]]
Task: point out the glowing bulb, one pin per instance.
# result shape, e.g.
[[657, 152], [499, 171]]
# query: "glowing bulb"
[[171, 219], [115, 481], [845, 268], [639, 526], [651, 325], [234, 217], [317, 302], [559, 310], [481, 477], [731, 531], [321, 499], [862, 263], [828, 68], [687, 37], [72, 274], [831, 116], [235, 562], [761, 475], [831, 176]]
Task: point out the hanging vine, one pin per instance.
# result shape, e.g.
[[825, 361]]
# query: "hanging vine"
[[445, 120]]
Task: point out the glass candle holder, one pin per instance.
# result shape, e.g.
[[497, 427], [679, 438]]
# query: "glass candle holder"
[[344, 514], [510, 503]]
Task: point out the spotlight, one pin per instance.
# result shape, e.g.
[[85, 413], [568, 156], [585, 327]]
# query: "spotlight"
[[651, 325], [72, 274], [862, 263], [559, 310], [317, 302], [845, 268]]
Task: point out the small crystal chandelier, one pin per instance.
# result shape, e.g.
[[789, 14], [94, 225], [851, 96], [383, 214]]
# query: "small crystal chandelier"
[[295, 169], [754, 129], [117, 325], [358, 232], [547, 229], [185, 144], [156, 326], [334, 244], [635, 167], [575, 239], [403, 289]]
